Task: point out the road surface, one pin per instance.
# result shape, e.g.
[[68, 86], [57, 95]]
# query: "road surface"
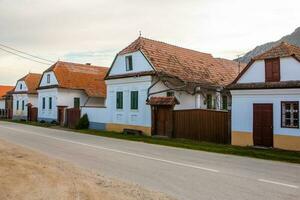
[[183, 174]]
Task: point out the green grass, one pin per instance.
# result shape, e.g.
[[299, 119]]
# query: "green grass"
[[267, 154]]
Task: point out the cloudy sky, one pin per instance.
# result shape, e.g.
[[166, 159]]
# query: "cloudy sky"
[[95, 30]]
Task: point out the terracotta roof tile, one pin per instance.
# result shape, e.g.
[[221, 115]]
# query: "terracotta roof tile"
[[4, 89], [81, 76], [188, 65], [162, 101], [32, 81], [282, 50]]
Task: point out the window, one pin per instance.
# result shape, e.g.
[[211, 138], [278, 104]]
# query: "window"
[[209, 101], [128, 60], [48, 78], [23, 105], [272, 70], [290, 114], [50, 103], [224, 102], [17, 105], [21, 86], [76, 102], [119, 101], [44, 103], [170, 94], [134, 100]]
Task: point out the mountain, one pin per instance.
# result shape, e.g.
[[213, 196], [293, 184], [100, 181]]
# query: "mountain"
[[293, 38]]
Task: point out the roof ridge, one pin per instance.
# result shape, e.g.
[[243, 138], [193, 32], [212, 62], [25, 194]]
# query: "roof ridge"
[[165, 43]]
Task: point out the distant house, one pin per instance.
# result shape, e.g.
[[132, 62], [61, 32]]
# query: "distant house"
[[25, 93], [70, 85], [148, 68], [3, 94], [265, 100]]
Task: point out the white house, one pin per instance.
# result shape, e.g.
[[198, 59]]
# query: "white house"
[[70, 85], [148, 68], [265, 100], [4, 89], [25, 93]]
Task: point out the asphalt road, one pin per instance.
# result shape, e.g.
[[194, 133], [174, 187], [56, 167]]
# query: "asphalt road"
[[184, 174]]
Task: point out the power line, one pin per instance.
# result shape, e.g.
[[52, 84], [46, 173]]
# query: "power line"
[[26, 53], [24, 57]]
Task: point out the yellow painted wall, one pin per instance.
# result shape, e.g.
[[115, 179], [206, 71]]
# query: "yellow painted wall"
[[121, 127], [286, 142], [241, 138]]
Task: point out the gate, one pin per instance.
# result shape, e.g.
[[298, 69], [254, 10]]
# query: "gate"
[[4, 114], [73, 117], [32, 113]]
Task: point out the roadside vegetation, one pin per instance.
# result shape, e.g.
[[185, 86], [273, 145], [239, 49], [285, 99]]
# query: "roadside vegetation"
[[268, 154]]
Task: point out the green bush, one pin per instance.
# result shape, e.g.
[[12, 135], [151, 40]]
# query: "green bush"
[[83, 122]]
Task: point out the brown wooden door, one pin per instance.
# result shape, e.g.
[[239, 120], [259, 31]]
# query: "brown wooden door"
[[263, 125], [163, 121], [60, 116]]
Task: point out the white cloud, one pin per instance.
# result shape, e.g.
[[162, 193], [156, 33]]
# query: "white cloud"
[[95, 30]]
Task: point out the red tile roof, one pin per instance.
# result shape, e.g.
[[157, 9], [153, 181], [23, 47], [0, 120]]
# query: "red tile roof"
[[32, 81], [81, 76], [282, 50], [4, 89], [163, 101], [185, 64]]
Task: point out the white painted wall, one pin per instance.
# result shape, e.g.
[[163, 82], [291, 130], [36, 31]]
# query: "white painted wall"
[[60, 97], [255, 74], [53, 80], [289, 71], [97, 115], [2, 104], [140, 117], [138, 61], [242, 108], [18, 87], [27, 98]]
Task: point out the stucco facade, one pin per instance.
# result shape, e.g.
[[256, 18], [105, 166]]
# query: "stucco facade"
[[243, 101]]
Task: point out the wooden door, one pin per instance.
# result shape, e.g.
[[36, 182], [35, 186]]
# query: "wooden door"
[[163, 122], [60, 116], [263, 125]]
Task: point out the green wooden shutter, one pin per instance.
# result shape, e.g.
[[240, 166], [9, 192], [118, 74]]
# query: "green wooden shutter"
[[44, 103], [76, 102], [23, 105], [50, 103], [224, 102], [134, 100], [209, 101], [119, 100]]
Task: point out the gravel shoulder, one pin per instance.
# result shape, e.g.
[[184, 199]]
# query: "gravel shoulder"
[[29, 175]]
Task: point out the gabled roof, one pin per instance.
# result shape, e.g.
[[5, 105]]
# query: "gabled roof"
[[4, 89], [284, 49], [185, 64], [163, 101], [32, 81], [80, 76]]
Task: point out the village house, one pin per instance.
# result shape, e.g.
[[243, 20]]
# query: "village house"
[[265, 100], [4, 97], [25, 94], [149, 72], [70, 85]]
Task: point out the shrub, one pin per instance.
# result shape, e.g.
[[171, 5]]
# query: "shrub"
[[42, 121], [83, 122], [54, 122]]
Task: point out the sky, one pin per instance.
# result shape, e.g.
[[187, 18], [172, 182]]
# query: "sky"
[[94, 31]]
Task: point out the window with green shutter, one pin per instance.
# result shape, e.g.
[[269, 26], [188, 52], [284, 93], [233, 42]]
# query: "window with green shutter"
[[23, 105], [128, 60], [44, 103], [76, 102], [119, 100], [17, 105], [170, 94], [209, 101], [134, 100], [50, 103]]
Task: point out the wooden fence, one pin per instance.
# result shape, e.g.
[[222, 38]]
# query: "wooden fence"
[[4, 114], [73, 117], [203, 125]]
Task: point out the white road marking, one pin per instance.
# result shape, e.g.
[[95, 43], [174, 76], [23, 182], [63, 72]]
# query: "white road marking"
[[117, 151], [278, 183]]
